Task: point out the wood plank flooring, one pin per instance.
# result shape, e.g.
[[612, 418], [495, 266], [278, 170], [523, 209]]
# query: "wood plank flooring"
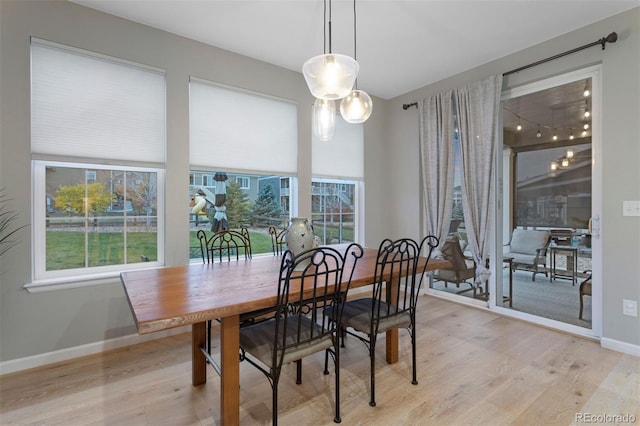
[[474, 367]]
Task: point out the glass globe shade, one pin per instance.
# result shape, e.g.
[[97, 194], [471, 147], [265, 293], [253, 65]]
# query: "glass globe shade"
[[356, 107], [330, 76], [324, 119]]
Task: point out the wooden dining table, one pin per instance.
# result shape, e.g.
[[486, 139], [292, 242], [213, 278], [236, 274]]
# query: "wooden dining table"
[[174, 296]]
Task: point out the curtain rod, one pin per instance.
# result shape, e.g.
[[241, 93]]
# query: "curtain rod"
[[611, 38]]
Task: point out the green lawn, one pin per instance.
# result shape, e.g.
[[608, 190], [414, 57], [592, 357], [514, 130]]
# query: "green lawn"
[[66, 249]]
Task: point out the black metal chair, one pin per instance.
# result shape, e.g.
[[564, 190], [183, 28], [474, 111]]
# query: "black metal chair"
[[224, 246], [398, 278], [314, 279], [278, 241]]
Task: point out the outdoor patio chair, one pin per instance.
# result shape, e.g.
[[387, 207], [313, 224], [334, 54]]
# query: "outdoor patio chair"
[[528, 248], [462, 268], [585, 290]]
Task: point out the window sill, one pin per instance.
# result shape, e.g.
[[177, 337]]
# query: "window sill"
[[65, 283]]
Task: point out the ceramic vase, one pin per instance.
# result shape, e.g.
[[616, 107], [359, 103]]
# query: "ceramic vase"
[[299, 235]]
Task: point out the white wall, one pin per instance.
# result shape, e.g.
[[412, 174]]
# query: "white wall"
[[621, 151]]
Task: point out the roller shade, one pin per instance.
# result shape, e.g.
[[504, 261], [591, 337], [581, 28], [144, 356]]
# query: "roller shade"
[[237, 130], [95, 107], [342, 156]]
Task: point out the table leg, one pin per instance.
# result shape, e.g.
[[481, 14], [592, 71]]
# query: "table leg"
[[392, 334], [392, 346], [230, 377], [198, 361]]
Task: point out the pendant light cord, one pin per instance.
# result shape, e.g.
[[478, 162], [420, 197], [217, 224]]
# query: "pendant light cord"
[[355, 56], [324, 29], [329, 26]]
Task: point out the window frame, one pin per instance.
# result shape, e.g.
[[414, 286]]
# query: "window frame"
[[358, 234], [40, 276], [241, 180]]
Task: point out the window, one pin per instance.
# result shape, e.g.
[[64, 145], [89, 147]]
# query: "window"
[[207, 180], [103, 216], [243, 182], [336, 187], [247, 191], [227, 205], [108, 221], [333, 206]]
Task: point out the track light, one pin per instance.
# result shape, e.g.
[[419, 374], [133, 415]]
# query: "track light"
[[565, 162], [554, 166], [586, 89], [569, 154], [571, 134], [538, 135], [586, 126], [584, 133]]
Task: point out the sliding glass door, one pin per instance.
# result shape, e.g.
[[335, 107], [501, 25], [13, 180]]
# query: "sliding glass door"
[[548, 203]]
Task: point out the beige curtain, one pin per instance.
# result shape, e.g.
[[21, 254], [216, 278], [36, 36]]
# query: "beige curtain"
[[473, 110], [437, 155], [477, 107]]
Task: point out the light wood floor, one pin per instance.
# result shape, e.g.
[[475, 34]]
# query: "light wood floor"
[[475, 367]]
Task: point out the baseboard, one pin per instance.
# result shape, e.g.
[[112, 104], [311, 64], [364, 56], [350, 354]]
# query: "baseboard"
[[619, 346], [39, 360]]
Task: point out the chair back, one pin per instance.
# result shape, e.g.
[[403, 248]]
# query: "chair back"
[[224, 245], [278, 241], [309, 282], [452, 252], [398, 278]]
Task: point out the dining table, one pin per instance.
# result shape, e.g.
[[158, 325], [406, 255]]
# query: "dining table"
[[173, 296]]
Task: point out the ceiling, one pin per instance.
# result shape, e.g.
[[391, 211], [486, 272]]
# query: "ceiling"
[[558, 111], [401, 45]]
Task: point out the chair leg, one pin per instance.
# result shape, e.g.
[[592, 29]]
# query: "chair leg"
[[337, 418], [298, 372], [581, 306], [413, 354], [208, 336], [372, 358], [274, 398]]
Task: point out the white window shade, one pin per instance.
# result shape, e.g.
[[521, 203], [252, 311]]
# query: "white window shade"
[[235, 130], [342, 156], [94, 107]]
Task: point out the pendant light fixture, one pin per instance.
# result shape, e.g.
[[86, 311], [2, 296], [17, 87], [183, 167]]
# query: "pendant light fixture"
[[357, 106], [324, 119], [330, 76]]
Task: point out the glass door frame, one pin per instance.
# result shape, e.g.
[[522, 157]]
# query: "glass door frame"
[[496, 237]]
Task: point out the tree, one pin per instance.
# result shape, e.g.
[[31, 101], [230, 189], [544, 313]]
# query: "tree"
[[82, 199], [238, 206], [266, 207]]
